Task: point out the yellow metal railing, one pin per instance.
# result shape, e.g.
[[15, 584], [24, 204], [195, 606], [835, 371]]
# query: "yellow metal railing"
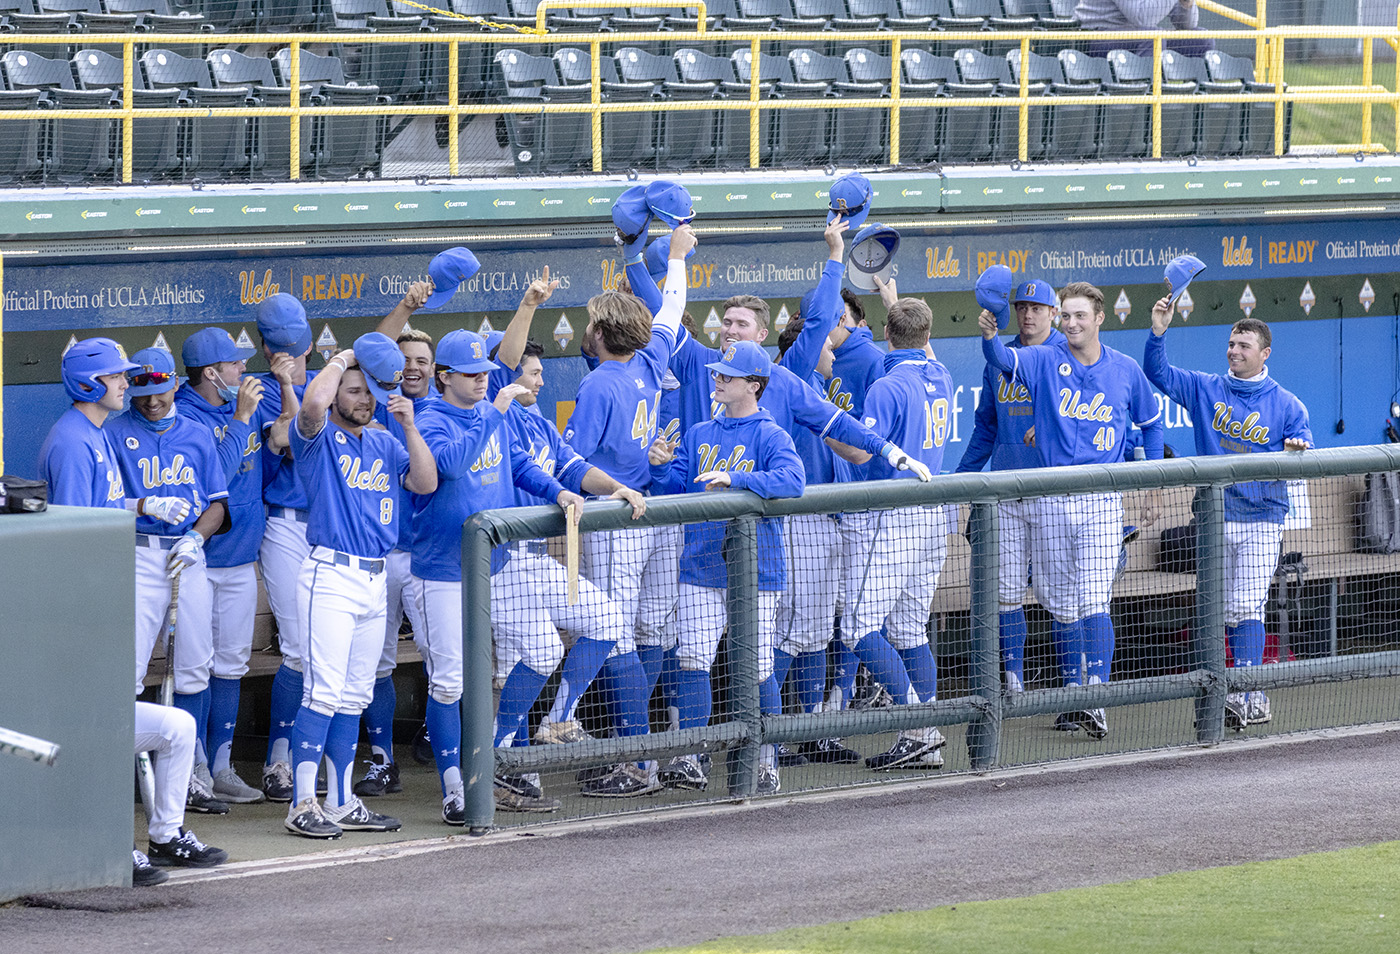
[[1270, 65]]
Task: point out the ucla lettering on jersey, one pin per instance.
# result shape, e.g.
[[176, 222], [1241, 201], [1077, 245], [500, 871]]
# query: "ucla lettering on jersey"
[[1072, 407], [708, 456], [374, 479], [1247, 430], [490, 457], [178, 473], [1012, 392], [834, 394], [540, 453], [116, 490]]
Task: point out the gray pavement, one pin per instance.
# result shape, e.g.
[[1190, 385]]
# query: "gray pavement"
[[637, 883]]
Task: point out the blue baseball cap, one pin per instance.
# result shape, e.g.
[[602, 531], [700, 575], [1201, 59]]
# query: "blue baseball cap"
[[1037, 293], [993, 291], [1179, 273], [155, 367], [464, 351], [850, 196], [382, 364], [670, 202], [659, 255], [744, 359], [282, 324], [448, 270], [632, 215], [493, 340], [211, 346], [872, 256]]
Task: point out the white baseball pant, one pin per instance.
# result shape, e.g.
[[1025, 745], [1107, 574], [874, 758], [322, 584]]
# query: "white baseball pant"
[[340, 608], [899, 554], [234, 593], [807, 610], [637, 569], [168, 734], [284, 549], [399, 569], [701, 618], [194, 640], [1014, 551], [1077, 540], [1251, 555]]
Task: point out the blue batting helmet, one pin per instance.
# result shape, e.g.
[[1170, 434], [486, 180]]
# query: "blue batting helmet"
[[89, 360]]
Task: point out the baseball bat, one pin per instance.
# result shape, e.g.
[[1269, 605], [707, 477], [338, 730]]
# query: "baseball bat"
[[571, 553], [27, 746], [145, 772]]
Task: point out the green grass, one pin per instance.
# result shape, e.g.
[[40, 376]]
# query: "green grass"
[[1341, 901], [1325, 124]]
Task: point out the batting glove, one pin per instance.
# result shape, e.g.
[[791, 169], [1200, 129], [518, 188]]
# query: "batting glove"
[[900, 460], [170, 510], [184, 554]]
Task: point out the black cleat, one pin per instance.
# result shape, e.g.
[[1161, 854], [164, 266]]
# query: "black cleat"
[[381, 779], [830, 751], [186, 851]]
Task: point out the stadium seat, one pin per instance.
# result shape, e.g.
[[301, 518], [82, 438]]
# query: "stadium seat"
[[834, 14], [88, 16], [977, 68], [558, 21], [771, 15], [960, 135], [343, 146], [288, 14], [629, 138], [1258, 133], [272, 135], [1043, 12], [155, 142], [1122, 131], [683, 138], [220, 146], [799, 135], [1178, 119], [229, 15], [19, 147], [881, 11], [71, 150], [696, 66], [856, 135], [990, 13], [543, 142], [1069, 131], [1218, 125], [21, 16]]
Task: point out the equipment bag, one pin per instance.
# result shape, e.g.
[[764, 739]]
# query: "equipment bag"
[[1176, 552], [1379, 531], [21, 495]]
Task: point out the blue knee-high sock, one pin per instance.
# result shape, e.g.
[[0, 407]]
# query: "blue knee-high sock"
[[445, 729], [286, 700], [580, 669], [845, 664], [877, 655], [693, 697], [197, 705], [1013, 642], [770, 697], [378, 719], [308, 742], [1098, 645], [341, 738], [223, 717], [652, 659], [809, 679], [670, 670], [1069, 646], [1247, 642], [782, 663], [625, 688], [522, 688], [923, 671]]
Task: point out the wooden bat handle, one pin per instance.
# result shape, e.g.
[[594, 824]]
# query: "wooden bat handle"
[[571, 553]]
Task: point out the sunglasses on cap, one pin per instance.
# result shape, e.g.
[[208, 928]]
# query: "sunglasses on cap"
[[147, 378]]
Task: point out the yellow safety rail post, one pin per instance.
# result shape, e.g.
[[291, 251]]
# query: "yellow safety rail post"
[[1395, 105], [1261, 45], [1024, 127], [294, 80], [753, 98], [1157, 97], [896, 50], [546, 5], [1367, 60], [1276, 77], [128, 117], [454, 59], [595, 50]]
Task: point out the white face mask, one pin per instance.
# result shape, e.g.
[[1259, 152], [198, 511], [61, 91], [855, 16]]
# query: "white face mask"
[[229, 394]]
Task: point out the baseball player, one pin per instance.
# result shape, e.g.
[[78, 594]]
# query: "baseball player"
[[612, 427], [745, 450], [1084, 397], [479, 467], [542, 441], [999, 435], [900, 553], [80, 467], [160, 452], [286, 341], [351, 473], [1248, 412], [216, 395]]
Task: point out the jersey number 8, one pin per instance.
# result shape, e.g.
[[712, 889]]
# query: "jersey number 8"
[[935, 423]]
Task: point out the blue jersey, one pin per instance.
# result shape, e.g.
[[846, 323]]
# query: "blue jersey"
[[1234, 416], [759, 457], [668, 419], [856, 364], [353, 487], [79, 464], [180, 461], [818, 462], [912, 406], [281, 486], [479, 465], [827, 307], [544, 445], [1004, 415], [1082, 413], [391, 424], [239, 448]]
